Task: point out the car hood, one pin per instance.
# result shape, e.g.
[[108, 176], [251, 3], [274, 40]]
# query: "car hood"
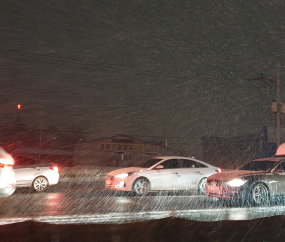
[[125, 170], [230, 175]]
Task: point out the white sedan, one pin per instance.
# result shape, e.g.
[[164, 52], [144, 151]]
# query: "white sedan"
[[162, 173], [7, 175], [32, 173]]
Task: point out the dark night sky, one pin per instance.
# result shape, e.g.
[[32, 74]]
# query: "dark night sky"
[[145, 67]]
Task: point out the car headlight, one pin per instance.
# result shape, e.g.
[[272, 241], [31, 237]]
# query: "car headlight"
[[124, 175], [236, 182]]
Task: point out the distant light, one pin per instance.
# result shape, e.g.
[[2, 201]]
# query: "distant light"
[[193, 157], [19, 106]]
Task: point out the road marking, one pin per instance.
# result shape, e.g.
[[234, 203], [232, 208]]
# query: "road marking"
[[215, 214], [4, 221]]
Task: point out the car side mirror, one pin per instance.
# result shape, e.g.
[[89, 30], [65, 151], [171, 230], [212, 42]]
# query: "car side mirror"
[[159, 167]]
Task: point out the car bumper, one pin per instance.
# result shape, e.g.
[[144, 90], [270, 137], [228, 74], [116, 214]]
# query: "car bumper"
[[7, 191], [53, 179], [225, 192], [118, 184]]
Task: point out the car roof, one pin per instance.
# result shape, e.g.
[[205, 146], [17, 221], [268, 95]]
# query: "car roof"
[[274, 158], [182, 157], [174, 157]]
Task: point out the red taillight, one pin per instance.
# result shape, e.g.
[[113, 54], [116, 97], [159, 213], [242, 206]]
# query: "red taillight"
[[5, 162], [55, 168], [5, 165], [219, 170]]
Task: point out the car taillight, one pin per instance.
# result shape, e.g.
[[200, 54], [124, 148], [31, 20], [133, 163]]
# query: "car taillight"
[[55, 168], [5, 163], [219, 170]]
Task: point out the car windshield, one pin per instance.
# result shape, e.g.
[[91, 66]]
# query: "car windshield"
[[258, 165], [149, 163]]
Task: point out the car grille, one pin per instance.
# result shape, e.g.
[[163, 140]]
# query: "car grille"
[[214, 182]]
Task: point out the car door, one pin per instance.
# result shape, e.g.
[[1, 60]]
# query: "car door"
[[166, 177], [191, 172], [25, 171], [279, 176], [24, 175]]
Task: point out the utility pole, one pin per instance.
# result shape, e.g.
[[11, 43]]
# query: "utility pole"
[[278, 103], [278, 112], [41, 130]]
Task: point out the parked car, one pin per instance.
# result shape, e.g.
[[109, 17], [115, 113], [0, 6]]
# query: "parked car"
[[255, 182], [7, 176], [162, 173], [36, 174]]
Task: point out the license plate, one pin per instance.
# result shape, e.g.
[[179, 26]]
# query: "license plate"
[[214, 189]]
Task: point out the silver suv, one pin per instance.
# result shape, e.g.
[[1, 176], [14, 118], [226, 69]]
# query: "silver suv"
[[7, 176]]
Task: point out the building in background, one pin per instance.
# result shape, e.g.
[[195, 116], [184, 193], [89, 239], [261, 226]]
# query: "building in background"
[[232, 152], [117, 150]]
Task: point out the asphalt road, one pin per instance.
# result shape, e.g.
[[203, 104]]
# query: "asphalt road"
[[78, 199], [91, 203]]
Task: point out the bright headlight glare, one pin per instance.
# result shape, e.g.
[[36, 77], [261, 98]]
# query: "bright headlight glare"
[[123, 175], [236, 182]]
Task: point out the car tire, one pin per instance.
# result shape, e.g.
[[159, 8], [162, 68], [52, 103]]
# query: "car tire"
[[202, 186], [141, 186], [40, 184], [260, 195]]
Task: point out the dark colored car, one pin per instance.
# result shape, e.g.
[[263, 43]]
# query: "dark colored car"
[[255, 182]]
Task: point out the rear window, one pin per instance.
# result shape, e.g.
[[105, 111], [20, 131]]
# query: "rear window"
[[258, 165]]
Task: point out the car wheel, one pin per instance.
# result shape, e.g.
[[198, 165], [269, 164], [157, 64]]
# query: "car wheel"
[[202, 186], [40, 184], [141, 186], [260, 194]]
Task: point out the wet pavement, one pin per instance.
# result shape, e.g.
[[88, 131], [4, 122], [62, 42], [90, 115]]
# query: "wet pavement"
[[91, 203]]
